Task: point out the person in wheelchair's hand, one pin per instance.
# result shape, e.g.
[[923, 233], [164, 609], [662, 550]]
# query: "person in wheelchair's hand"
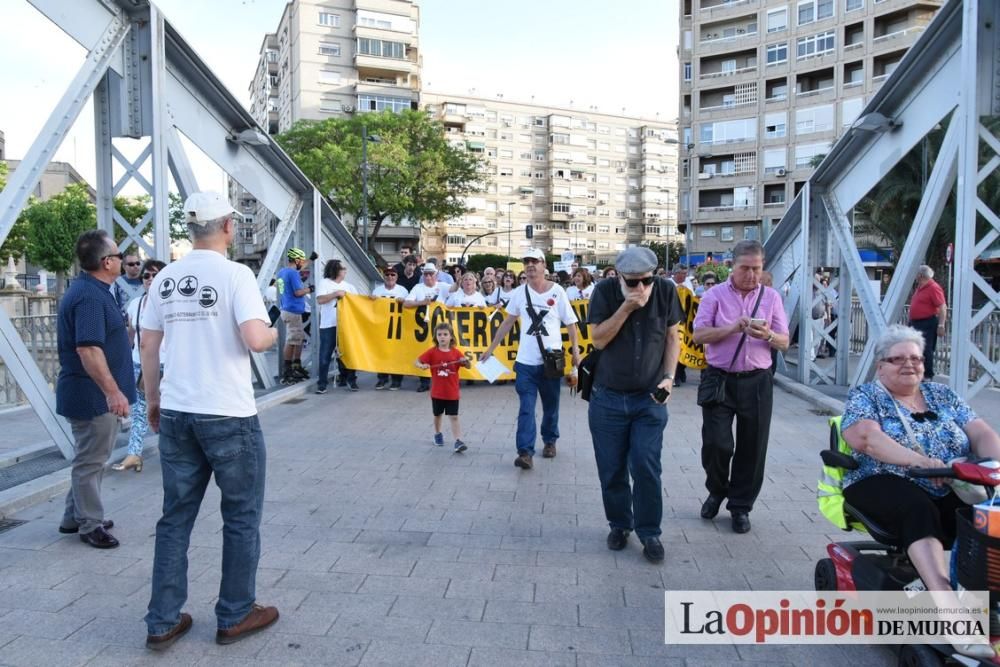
[[897, 422]]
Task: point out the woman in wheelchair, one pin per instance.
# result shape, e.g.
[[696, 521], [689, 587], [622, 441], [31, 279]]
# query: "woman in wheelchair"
[[899, 421]]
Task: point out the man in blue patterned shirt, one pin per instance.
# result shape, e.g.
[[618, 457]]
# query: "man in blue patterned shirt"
[[95, 385]]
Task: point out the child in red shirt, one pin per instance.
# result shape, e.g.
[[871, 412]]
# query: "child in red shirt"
[[443, 362]]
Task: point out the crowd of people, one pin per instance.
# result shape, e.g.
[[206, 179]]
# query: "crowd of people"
[[170, 344]]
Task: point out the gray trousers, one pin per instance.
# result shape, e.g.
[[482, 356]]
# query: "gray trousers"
[[93, 441]]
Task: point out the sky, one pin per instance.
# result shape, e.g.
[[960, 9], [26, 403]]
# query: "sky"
[[564, 53]]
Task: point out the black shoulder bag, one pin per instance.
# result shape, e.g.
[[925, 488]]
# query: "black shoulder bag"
[[712, 389], [554, 361]]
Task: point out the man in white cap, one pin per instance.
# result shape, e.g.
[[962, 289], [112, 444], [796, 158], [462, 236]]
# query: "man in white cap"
[[424, 293], [634, 322], [549, 310], [212, 312]]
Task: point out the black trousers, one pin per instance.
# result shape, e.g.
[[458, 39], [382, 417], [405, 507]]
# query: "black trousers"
[[928, 327], [734, 468], [904, 509]]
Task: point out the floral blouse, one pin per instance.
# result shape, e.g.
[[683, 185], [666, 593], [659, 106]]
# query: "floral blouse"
[[941, 438]]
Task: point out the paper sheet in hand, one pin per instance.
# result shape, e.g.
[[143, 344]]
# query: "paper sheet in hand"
[[491, 369]]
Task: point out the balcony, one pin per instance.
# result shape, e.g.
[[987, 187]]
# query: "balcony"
[[718, 9], [380, 64], [813, 93], [728, 73], [390, 89], [898, 38]]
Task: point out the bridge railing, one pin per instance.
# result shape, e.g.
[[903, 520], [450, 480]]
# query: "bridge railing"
[[39, 335]]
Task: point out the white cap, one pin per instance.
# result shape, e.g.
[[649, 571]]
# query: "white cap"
[[534, 253], [429, 267], [203, 207]]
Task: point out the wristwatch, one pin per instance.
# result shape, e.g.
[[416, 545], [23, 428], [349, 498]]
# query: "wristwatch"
[[668, 376], [771, 337]]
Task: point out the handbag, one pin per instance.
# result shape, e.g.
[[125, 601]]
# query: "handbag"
[[587, 371], [712, 389], [553, 361]]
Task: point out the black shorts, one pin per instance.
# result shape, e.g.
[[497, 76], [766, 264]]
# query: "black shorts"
[[443, 406]]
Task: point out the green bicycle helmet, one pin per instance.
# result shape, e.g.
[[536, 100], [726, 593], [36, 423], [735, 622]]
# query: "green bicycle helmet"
[[295, 253]]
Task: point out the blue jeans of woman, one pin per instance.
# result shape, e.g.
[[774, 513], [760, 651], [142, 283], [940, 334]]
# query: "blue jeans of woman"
[[531, 384], [327, 345], [627, 430], [193, 448]]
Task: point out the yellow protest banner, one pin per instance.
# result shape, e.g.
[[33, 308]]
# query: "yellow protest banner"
[[381, 336], [692, 354]]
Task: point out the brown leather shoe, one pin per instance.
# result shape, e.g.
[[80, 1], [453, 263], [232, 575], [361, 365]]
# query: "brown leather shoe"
[[549, 450], [258, 619], [523, 460], [161, 642]]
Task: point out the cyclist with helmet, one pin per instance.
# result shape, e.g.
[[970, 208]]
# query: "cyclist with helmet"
[[292, 297]]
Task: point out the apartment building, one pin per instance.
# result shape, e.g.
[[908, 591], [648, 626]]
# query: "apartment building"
[[586, 182], [331, 58], [767, 86]]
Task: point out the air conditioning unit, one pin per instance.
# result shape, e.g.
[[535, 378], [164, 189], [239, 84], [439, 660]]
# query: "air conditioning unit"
[[780, 172], [704, 176], [347, 108]]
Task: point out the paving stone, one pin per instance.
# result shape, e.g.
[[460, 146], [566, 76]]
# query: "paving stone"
[[533, 613], [349, 603], [491, 590], [415, 585], [382, 653], [30, 651], [48, 625], [438, 608], [596, 616], [498, 556], [283, 648], [330, 582], [587, 660], [396, 628], [581, 640], [493, 657], [536, 574], [465, 633], [39, 599], [461, 571]]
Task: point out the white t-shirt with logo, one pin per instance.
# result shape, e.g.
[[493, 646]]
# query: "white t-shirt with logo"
[[460, 298], [555, 310], [328, 311], [199, 303], [422, 292], [397, 291], [575, 293]]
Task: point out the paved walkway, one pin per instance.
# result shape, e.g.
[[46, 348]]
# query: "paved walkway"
[[380, 549]]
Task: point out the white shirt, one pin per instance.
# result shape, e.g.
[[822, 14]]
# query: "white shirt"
[[491, 299], [397, 291], [132, 311], [422, 292], [554, 315], [505, 296], [199, 303], [573, 293], [460, 298], [328, 311]]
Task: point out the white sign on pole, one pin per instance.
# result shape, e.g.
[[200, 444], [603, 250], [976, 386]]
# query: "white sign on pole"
[[568, 256]]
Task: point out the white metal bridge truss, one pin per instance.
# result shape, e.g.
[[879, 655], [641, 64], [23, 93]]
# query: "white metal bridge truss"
[[149, 85], [952, 70]]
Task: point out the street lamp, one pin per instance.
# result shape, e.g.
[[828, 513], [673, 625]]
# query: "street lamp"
[[365, 138], [510, 228]]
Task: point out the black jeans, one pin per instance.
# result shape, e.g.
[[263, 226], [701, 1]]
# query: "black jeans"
[[748, 401], [928, 327]]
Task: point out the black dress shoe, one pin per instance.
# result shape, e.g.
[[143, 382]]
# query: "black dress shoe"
[[652, 549], [741, 522], [617, 539], [99, 539], [710, 507], [108, 525]]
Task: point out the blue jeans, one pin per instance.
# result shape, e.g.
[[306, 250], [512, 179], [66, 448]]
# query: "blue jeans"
[[627, 430], [193, 447], [530, 384], [327, 344]]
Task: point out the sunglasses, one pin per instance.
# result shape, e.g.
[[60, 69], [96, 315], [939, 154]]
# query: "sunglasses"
[[133, 263], [928, 416], [522, 278], [634, 282], [902, 359], [531, 260], [119, 255], [148, 275]]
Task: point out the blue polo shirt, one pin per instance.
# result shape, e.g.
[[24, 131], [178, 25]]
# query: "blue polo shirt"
[[289, 281], [89, 315]]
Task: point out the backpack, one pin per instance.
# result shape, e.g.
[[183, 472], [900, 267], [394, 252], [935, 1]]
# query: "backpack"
[[830, 488]]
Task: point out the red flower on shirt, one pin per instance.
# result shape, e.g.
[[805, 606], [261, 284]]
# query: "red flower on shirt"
[[551, 302]]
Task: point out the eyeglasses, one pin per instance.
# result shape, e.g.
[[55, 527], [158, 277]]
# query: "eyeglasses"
[[133, 263], [531, 260], [902, 359], [928, 416], [709, 284], [634, 282], [522, 278], [148, 275], [119, 255]]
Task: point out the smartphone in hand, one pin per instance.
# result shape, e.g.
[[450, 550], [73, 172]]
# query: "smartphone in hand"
[[757, 321], [661, 394]]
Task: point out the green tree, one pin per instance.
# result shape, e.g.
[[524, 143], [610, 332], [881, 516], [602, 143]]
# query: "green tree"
[[667, 254], [414, 174], [55, 224], [178, 228], [132, 209], [16, 243]]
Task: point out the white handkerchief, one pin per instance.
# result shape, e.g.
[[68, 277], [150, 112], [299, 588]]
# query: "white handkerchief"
[[491, 369]]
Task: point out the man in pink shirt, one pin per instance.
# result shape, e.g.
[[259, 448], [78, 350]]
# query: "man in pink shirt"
[[725, 314]]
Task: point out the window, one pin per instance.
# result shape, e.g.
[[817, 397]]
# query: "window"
[[777, 19], [777, 53], [729, 131], [805, 153], [329, 76], [815, 44], [852, 5], [726, 234], [814, 119], [774, 159], [454, 239], [774, 124], [381, 48], [560, 207], [850, 110], [328, 19], [687, 71], [750, 233], [814, 10], [329, 49], [381, 103]]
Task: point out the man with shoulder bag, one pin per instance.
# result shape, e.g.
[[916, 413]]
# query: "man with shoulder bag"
[[634, 322], [542, 308], [739, 322]]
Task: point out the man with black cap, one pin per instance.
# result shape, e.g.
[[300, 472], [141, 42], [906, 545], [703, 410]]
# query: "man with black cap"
[[542, 320], [634, 322]]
